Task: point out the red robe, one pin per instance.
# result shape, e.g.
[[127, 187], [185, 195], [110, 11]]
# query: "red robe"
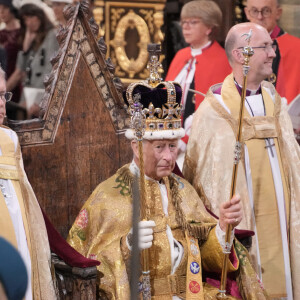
[[288, 77], [211, 67]]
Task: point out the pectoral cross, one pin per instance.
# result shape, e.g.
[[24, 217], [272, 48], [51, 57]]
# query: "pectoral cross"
[[269, 145]]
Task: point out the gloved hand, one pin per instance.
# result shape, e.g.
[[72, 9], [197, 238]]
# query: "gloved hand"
[[145, 235]]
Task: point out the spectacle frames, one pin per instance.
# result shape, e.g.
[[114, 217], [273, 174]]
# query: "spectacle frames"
[[6, 96], [266, 48], [191, 23], [265, 12]]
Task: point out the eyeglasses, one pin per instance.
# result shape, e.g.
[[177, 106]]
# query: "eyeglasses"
[[265, 12], [191, 23], [266, 48], [6, 96]]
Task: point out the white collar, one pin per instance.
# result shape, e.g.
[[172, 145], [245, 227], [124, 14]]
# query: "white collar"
[[198, 51]]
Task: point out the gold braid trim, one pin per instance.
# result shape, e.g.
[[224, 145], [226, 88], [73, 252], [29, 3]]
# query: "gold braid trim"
[[249, 286], [199, 231]]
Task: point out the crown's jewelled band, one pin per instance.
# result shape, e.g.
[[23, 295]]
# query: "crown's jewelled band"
[[162, 124]]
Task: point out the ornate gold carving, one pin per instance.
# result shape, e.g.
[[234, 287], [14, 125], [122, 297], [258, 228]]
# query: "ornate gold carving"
[[158, 22], [131, 20], [98, 13], [148, 16], [115, 16], [119, 71], [146, 19], [238, 12]]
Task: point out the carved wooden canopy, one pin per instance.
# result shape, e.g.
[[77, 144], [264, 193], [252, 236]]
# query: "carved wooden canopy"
[[77, 142], [77, 40]]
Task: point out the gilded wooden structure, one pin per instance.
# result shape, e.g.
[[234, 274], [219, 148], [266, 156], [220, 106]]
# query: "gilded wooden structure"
[[129, 27]]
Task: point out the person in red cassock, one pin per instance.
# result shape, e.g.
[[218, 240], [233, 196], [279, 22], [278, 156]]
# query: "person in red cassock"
[[203, 63], [286, 65]]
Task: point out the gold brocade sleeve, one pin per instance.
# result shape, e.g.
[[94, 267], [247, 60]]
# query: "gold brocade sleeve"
[[126, 254], [98, 230], [212, 255]]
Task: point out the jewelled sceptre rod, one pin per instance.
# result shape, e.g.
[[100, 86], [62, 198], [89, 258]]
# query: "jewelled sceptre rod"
[[138, 119], [247, 52], [138, 124]]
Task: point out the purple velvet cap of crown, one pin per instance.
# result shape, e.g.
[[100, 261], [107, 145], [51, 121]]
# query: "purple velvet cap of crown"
[[157, 96], [164, 123]]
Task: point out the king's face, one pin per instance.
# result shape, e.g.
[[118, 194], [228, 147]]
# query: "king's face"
[[160, 157]]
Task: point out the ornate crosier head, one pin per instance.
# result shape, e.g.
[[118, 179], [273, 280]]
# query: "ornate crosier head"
[[247, 52], [158, 106]]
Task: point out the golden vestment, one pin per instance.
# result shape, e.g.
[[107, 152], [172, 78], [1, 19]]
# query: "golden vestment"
[[209, 163], [103, 223], [11, 168]]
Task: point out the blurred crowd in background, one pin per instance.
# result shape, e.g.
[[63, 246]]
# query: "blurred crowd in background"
[[27, 43]]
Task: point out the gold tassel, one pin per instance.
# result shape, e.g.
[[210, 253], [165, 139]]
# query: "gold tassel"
[[199, 231]]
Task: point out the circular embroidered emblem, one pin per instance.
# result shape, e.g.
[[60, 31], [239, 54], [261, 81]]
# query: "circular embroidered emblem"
[[194, 287], [194, 267], [194, 249]]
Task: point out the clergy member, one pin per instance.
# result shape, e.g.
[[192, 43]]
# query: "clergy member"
[[286, 65], [203, 63], [268, 177], [21, 219]]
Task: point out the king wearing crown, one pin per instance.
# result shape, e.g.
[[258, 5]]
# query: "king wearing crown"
[[181, 244]]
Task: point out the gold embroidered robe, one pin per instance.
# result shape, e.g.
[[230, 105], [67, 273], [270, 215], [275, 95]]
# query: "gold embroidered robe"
[[100, 229], [209, 162], [11, 168]]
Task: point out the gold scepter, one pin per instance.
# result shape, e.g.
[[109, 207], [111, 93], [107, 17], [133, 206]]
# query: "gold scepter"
[[138, 124], [247, 52]]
